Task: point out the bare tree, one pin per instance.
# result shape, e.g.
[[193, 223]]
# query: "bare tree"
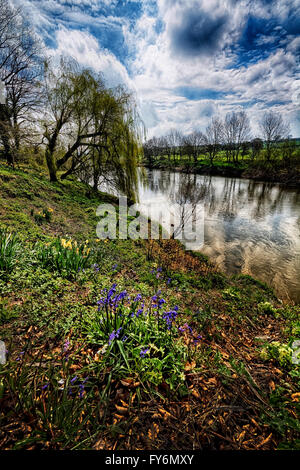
[[193, 143], [256, 147], [273, 129], [213, 138], [20, 69], [236, 131]]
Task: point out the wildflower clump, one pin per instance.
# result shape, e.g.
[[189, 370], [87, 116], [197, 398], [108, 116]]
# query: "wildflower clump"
[[65, 256], [43, 215], [137, 334]]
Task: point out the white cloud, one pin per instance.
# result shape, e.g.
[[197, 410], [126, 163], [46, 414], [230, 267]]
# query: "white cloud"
[[155, 71], [84, 47]]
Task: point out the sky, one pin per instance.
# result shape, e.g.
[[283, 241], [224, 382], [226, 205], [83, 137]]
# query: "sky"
[[185, 60]]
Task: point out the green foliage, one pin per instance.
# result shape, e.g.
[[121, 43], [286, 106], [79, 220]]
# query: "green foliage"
[[266, 308], [65, 256], [9, 246], [280, 352], [57, 399], [42, 216], [137, 339], [6, 312]]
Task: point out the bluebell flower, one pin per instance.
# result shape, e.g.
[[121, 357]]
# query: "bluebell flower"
[[113, 335], [139, 312], [170, 316], [66, 345], [144, 352], [161, 302], [20, 355], [81, 390]]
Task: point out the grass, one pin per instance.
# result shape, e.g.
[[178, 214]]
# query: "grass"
[[277, 170], [132, 344]]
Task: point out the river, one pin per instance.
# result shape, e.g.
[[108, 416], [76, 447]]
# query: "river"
[[249, 227]]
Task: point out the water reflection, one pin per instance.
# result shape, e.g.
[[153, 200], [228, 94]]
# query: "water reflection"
[[250, 227]]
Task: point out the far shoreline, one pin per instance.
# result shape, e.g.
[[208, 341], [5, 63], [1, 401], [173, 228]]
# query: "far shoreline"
[[256, 174]]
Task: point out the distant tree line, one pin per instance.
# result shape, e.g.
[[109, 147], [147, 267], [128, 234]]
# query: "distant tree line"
[[229, 138], [65, 115]]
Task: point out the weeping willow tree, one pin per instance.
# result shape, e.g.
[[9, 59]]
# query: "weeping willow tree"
[[98, 127], [113, 156]]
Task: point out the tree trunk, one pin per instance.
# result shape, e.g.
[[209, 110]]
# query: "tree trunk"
[[4, 133], [51, 164]]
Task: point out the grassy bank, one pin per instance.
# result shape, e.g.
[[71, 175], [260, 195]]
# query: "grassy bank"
[[273, 172], [131, 344]]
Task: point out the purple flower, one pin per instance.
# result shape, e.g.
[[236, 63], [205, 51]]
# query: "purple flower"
[[170, 316], [20, 355], [144, 352], [66, 345], [113, 335], [81, 390], [45, 386], [140, 311], [161, 302], [74, 379], [197, 340], [169, 281]]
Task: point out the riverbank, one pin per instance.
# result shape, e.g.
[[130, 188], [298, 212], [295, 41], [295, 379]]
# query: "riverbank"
[[289, 177], [193, 359]]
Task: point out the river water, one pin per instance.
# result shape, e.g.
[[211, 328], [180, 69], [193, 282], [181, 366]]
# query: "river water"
[[249, 227]]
